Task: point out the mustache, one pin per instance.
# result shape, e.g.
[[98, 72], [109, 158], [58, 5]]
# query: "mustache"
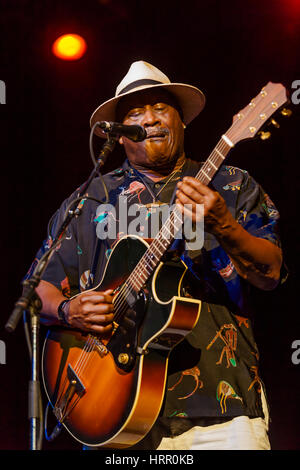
[[157, 132]]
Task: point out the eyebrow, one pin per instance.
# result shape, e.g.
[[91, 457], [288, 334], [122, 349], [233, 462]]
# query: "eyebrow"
[[168, 100]]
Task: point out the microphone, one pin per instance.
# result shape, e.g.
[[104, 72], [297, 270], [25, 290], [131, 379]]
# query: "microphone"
[[134, 132]]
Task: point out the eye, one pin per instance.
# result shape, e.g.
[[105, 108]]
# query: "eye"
[[160, 107], [135, 112]]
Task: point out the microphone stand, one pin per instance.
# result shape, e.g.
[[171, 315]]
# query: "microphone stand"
[[31, 302]]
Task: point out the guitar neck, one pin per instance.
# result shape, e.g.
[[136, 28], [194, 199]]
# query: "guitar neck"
[[167, 233], [214, 161]]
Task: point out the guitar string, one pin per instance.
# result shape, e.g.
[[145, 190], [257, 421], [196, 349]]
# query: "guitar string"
[[85, 355], [82, 357], [82, 360], [59, 395]]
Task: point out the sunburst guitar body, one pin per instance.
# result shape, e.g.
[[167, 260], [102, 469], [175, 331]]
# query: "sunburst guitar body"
[[109, 391]]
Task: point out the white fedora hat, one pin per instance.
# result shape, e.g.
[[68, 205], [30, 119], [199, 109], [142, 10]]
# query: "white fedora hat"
[[140, 76]]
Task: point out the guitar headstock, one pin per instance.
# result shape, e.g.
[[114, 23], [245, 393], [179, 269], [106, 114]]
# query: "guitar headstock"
[[257, 113]]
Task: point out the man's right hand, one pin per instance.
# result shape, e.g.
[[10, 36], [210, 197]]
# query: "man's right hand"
[[92, 311], [89, 311]]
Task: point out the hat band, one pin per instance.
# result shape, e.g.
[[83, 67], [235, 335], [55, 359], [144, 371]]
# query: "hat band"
[[137, 83]]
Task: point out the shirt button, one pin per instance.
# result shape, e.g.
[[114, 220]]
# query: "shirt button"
[[157, 185]]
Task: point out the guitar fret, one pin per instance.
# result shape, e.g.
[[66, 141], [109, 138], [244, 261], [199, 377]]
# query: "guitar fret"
[[145, 268], [208, 177], [132, 284], [212, 164], [221, 155], [152, 247], [149, 258], [140, 274], [179, 218], [168, 231], [158, 240]]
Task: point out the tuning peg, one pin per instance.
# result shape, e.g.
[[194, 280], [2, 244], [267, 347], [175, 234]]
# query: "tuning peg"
[[264, 135], [275, 123], [286, 112]]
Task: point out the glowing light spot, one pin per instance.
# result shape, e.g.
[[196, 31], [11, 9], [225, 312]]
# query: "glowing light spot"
[[69, 47]]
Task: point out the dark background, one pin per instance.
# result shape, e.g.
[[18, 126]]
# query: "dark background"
[[229, 49]]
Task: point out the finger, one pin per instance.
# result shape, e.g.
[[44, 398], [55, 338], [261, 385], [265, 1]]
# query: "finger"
[[190, 191], [98, 309], [184, 209], [202, 188], [95, 297], [194, 212], [100, 329], [185, 199], [100, 319]]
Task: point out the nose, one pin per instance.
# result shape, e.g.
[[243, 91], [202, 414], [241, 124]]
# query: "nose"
[[150, 118]]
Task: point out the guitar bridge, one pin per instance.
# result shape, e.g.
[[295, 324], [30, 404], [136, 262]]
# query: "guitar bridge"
[[63, 405]]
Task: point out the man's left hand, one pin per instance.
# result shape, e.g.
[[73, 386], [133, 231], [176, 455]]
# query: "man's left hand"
[[192, 192]]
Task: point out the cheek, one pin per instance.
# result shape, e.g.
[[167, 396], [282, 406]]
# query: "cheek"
[[134, 151], [177, 138]]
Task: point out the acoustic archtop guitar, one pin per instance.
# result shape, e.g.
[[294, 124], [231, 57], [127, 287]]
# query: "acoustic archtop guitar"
[[108, 391]]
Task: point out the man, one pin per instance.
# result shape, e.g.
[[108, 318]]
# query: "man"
[[214, 396]]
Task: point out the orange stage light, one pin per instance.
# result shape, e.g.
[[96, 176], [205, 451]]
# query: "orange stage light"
[[69, 47]]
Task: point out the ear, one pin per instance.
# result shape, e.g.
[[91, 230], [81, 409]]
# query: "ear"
[[121, 141]]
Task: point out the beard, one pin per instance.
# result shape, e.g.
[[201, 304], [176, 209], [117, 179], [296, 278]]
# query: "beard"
[[160, 155]]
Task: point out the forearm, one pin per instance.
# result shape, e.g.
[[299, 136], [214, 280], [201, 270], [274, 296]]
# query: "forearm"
[[51, 297], [257, 260]]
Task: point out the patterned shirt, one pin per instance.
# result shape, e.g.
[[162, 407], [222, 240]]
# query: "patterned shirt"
[[214, 371]]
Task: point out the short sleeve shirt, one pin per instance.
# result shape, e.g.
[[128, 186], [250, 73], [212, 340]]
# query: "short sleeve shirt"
[[214, 371]]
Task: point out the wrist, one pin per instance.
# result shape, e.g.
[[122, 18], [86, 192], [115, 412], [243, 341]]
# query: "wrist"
[[226, 229], [63, 312]]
